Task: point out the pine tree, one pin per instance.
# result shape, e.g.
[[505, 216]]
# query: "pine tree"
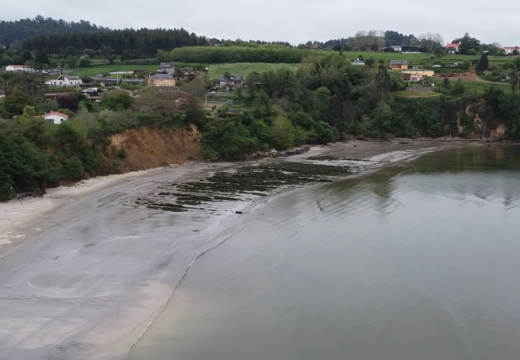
[[483, 64]]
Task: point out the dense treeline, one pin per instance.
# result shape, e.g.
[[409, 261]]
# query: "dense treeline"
[[36, 154], [328, 100], [140, 43], [233, 54], [28, 28]]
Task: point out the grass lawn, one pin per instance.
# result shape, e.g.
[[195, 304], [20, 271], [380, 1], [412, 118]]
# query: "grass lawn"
[[476, 86], [97, 70], [419, 58], [418, 94], [246, 68], [481, 87]]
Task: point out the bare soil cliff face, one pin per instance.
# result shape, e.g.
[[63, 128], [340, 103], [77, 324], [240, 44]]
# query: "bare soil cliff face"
[[148, 148]]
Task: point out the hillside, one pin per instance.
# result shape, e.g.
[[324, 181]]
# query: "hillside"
[[28, 28]]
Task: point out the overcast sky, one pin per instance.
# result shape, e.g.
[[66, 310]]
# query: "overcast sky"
[[295, 21]]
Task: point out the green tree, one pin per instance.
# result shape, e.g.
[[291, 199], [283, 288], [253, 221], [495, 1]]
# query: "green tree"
[[282, 133], [194, 113], [370, 61], [382, 83], [446, 83], [513, 79], [126, 56], [467, 43], [16, 101], [84, 61], [73, 168], [26, 56], [483, 64], [117, 100], [458, 88], [41, 58], [71, 61]]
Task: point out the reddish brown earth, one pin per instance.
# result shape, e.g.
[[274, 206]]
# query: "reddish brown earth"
[[148, 148]]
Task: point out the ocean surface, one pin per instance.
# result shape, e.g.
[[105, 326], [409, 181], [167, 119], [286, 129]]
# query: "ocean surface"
[[415, 261]]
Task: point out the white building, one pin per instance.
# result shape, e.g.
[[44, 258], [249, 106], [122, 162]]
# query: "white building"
[[55, 117], [510, 49], [453, 48], [65, 80], [358, 63], [19, 68], [397, 48]]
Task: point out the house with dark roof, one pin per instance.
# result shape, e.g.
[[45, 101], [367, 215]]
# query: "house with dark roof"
[[231, 82], [167, 68], [161, 80], [399, 64]]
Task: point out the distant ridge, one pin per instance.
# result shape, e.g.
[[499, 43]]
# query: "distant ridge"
[[29, 28]]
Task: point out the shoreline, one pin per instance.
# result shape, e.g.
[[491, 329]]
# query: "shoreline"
[[86, 223]]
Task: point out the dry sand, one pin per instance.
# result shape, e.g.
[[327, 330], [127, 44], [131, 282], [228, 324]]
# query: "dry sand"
[[83, 271]]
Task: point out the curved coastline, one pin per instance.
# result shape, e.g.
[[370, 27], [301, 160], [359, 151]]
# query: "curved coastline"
[[177, 241]]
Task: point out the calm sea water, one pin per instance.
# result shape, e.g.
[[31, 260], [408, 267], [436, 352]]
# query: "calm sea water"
[[419, 261]]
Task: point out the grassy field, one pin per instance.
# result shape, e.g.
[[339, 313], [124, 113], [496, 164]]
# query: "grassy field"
[[478, 87], [246, 68], [97, 70], [417, 94], [420, 58]]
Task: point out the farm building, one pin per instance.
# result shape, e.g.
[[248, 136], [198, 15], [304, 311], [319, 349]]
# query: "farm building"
[[19, 68], [64, 80]]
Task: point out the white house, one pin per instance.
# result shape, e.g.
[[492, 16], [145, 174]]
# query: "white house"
[[510, 49], [453, 48], [19, 68], [55, 117], [397, 48], [358, 63], [65, 80]]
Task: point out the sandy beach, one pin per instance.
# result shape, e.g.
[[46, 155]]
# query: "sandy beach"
[[84, 271]]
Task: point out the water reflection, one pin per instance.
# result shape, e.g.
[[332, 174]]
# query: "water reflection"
[[416, 261]]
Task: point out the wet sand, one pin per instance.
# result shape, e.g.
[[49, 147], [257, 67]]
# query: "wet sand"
[[84, 272]]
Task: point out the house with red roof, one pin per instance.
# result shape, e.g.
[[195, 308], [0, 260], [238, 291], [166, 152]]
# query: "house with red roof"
[[56, 117], [453, 48], [19, 68], [510, 50]]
